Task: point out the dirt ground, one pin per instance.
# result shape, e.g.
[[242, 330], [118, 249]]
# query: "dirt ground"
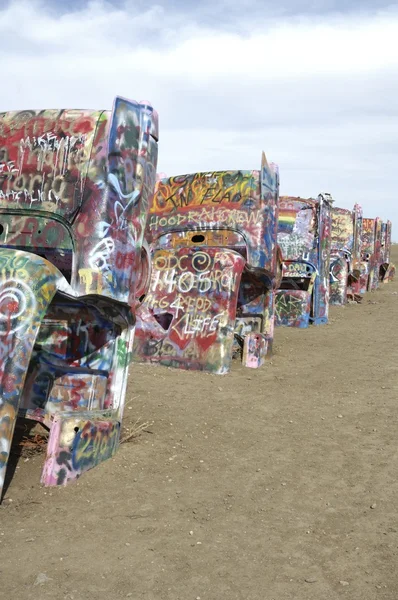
[[275, 484]]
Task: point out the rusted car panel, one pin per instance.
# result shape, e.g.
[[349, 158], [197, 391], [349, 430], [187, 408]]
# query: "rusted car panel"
[[304, 232], [218, 232], [75, 186]]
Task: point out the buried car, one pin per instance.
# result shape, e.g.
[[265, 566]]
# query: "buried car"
[[75, 186], [304, 231], [214, 266], [387, 269], [345, 254], [371, 254]]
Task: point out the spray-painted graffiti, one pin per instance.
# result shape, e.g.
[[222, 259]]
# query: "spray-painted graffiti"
[[27, 286], [339, 271], [377, 256], [304, 232], [243, 201], [386, 269], [368, 237], [254, 350], [43, 158], [214, 261], [189, 312], [292, 308], [371, 243], [296, 228], [73, 451], [342, 237], [65, 162], [75, 187], [341, 252], [357, 267]]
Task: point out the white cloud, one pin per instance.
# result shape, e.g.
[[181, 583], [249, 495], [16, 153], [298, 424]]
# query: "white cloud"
[[317, 92]]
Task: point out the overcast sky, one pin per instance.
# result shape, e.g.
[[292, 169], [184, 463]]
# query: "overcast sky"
[[313, 83]]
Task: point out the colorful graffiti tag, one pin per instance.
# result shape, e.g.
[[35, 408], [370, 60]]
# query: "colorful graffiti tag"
[[357, 267], [341, 251], [64, 163], [71, 451], [188, 316], [75, 187], [77, 199], [27, 286], [213, 239], [304, 232], [387, 269], [371, 252]]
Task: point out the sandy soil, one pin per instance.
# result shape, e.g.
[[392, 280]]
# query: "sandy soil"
[[273, 484]]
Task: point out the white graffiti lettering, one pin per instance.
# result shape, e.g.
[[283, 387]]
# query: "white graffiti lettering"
[[8, 167], [100, 255], [191, 325], [17, 305], [208, 215]]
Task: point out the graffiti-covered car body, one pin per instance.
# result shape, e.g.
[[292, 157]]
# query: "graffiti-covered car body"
[[75, 186], [214, 261], [367, 252], [345, 254], [356, 264], [371, 254], [374, 278], [387, 269], [304, 229], [341, 247]]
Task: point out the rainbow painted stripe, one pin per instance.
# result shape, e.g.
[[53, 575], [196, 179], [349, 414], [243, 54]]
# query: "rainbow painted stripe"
[[286, 220]]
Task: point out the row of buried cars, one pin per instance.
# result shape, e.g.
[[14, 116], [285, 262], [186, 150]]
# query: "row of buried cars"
[[231, 260], [102, 263]]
